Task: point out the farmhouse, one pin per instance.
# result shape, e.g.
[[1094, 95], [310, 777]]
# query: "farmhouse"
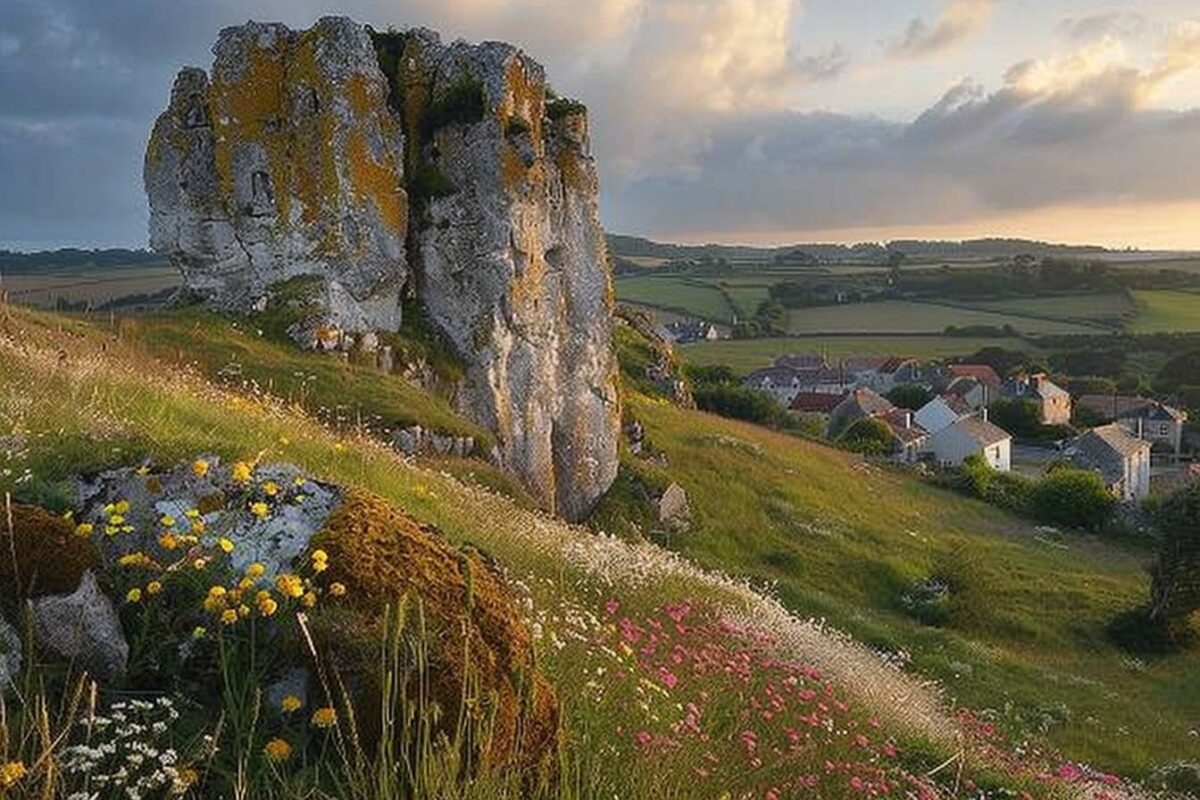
[[941, 412], [689, 331], [893, 372], [909, 437], [975, 384], [860, 403], [1122, 460], [780, 382], [971, 436], [1053, 402], [815, 405], [1144, 418]]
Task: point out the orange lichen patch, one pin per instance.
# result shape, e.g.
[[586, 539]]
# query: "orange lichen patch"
[[42, 555], [573, 171], [525, 100], [247, 109], [358, 92], [512, 167], [381, 554], [378, 182]]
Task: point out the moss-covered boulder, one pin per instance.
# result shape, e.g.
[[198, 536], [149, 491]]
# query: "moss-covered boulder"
[[380, 554], [41, 554]]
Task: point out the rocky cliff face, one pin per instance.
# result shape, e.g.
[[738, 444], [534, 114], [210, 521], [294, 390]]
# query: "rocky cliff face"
[[393, 163]]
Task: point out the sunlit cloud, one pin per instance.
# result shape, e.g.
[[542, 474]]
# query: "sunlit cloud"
[[961, 20]]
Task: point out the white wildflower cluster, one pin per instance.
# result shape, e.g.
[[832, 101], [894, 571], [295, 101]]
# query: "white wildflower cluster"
[[126, 753]]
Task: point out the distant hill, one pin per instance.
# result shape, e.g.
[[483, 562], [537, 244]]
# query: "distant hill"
[[638, 247], [71, 258]]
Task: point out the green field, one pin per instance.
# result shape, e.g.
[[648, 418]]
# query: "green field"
[[675, 293], [1109, 309], [746, 355], [94, 285], [902, 316], [1166, 312]]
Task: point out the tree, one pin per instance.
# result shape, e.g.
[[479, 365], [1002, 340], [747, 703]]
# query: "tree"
[[1019, 417], [1182, 369], [909, 395], [1175, 577], [868, 436], [1074, 498]]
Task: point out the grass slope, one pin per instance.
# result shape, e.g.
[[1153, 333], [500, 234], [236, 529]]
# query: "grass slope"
[[843, 540]]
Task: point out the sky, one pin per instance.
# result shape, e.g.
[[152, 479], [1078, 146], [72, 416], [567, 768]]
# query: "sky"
[[756, 121]]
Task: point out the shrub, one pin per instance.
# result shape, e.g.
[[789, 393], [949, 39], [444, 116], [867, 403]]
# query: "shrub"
[[740, 402], [559, 107], [910, 395], [868, 436], [462, 103], [1074, 498], [1175, 577]]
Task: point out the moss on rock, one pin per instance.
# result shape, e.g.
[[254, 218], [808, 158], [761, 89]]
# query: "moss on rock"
[[41, 555], [381, 554]]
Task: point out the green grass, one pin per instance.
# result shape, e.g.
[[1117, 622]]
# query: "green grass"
[[746, 355], [1110, 309], [901, 316], [675, 293], [839, 539], [842, 540], [1164, 311], [352, 394]]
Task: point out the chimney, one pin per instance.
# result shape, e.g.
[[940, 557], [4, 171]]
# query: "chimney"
[[985, 413], [907, 420]]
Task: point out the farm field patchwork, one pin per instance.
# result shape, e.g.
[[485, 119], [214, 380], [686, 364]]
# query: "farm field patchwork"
[[1110, 309], [95, 285], [902, 316], [677, 294], [1166, 312], [746, 355]]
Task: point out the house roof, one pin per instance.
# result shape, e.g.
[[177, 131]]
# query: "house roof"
[[955, 404], [864, 363], [980, 372], [820, 376], [983, 432], [817, 402], [776, 375], [1106, 449], [1129, 407], [893, 364], [901, 423], [801, 361], [866, 403]]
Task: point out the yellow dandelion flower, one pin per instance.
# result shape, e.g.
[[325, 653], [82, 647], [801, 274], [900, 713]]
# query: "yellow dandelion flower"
[[243, 611], [167, 521], [121, 507], [324, 717], [199, 563], [337, 589], [199, 632], [11, 772], [116, 520], [134, 595], [270, 488], [289, 585], [338, 447], [197, 526], [255, 570], [84, 529], [111, 530], [267, 607], [319, 555], [241, 472], [229, 616], [291, 703], [260, 510], [192, 513], [109, 509], [168, 541], [154, 587], [199, 467], [225, 544], [143, 470], [278, 750], [245, 584], [309, 599], [285, 441], [298, 481]]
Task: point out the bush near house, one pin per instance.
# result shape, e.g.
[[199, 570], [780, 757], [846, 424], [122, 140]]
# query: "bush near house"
[[1074, 498], [1175, 577], [868, 436]]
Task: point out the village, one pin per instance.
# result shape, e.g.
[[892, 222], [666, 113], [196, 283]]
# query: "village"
[[938, 415]]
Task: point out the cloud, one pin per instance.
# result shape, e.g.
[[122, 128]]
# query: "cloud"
[[961, 20], [1115, 24]]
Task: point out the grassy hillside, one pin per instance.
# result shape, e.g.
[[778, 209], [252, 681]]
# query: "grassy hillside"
[[1166, 312], [840, 540], [844, 540]]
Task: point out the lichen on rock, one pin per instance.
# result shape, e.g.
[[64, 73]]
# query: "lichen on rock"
[[286, 162], [291, 160]]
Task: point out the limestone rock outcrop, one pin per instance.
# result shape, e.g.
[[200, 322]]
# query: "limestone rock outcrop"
[[391, 164], [285, 163]]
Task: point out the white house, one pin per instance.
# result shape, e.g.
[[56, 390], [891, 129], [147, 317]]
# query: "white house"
[[1122, 460], [971, 436], [942, 411], [783, 383]]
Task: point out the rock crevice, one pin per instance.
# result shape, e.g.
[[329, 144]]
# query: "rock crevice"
[[391, 163]]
